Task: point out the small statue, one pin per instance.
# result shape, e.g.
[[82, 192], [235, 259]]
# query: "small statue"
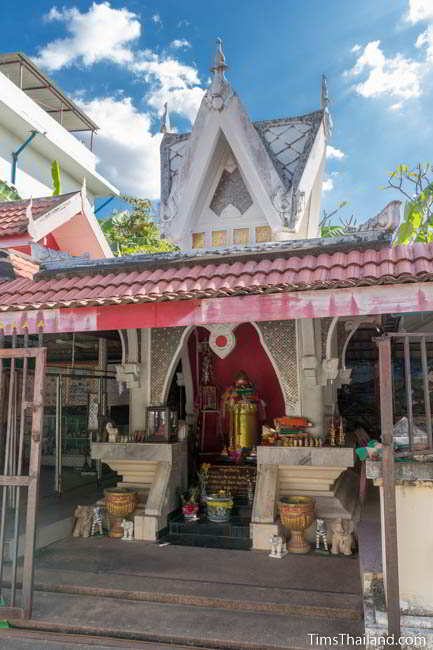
[[97, 518], [332, 434], [250, 491], [83, 521], [341, 434], [342, 539], [112, 431], [278, 547], [128, 530], [321, 534]]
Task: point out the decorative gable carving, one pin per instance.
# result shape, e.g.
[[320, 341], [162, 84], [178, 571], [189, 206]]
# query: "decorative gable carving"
[[231, 190], [228, 165]]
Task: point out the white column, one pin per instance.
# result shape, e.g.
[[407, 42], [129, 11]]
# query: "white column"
[[311, 391], [139, 395]]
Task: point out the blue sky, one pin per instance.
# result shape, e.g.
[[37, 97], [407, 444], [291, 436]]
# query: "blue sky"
[[123, 59]]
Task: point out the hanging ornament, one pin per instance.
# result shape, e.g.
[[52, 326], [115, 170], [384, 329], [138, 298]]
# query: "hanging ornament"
[[222, 340]]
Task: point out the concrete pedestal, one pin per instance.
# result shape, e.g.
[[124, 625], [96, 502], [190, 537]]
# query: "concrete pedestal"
[[317, 472], [157, 471]]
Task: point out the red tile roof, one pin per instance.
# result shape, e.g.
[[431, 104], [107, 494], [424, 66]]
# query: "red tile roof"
[[23, 265], [13, 218], [202, 280]]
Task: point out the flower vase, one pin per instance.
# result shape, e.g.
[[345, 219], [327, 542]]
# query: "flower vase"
[[190, 511]]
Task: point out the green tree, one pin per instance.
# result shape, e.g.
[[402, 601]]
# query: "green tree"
[[8, 192], [416, 185], [131, 232], [346, 225]]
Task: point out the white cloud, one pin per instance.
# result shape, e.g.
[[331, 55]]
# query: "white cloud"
[[333, 152], [426, 40], [126, 145], [356, 48], [127, 150], [180, 43], [396, 107], [419, 10], [396, 76], [327, 185], [101, 33], [170, 81]]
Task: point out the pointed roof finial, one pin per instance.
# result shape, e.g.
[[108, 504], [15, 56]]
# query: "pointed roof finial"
[[29, 217], [324, 95], [220, 60], [324, 105], [164, 125]]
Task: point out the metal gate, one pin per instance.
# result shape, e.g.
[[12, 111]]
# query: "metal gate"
[[21, 419], [414, 346]]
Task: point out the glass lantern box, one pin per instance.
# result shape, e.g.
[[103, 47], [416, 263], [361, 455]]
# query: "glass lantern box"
[[161, 424]]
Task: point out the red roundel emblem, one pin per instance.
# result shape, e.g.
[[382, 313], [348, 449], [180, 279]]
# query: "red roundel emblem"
[[221, 341]]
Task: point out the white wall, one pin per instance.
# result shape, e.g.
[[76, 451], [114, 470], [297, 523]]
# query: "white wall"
[[33, 176], [19, 116], [414, 505]]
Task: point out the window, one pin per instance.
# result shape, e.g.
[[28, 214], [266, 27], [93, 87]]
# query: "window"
[[263, 234], [198, 239], [219, 238], [241, 236]]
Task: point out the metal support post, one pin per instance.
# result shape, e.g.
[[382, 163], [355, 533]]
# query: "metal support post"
[[389, 500]]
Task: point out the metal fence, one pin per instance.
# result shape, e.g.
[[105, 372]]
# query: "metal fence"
[[414, 346], [19, 482]]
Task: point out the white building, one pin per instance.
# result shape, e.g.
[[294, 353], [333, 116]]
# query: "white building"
[[38, 125]]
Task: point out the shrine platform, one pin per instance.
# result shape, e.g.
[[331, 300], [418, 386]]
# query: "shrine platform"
[[235, 534]]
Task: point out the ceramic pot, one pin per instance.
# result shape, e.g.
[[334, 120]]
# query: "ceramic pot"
[[119, 501], [297, 514], [190, 511], [219, 508]]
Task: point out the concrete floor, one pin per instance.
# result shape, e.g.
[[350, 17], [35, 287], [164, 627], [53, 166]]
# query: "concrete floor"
[[180, 595]]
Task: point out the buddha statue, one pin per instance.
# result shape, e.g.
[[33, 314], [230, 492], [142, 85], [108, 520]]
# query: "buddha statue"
[[242, 412]]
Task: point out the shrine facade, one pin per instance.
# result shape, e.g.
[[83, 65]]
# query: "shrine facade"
[[254, 308]]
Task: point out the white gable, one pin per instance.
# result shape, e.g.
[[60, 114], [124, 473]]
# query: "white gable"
[[230, 174]]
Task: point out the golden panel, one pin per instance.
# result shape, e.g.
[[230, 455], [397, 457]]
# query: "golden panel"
[[241, 236], [263, 234], [198, 239], [219, 238]]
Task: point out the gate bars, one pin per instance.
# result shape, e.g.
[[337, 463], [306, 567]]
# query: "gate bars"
[[387, 424], [13, 477]]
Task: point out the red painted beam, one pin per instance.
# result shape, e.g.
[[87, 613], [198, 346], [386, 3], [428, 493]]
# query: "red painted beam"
[[355, 301]]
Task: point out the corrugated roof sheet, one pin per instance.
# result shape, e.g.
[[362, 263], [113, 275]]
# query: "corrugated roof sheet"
[[203, 280]]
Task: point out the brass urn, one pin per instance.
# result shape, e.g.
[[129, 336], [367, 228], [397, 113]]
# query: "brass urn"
[[297, 514]]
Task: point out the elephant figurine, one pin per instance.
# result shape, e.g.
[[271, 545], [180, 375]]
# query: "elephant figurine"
[[83, 521]]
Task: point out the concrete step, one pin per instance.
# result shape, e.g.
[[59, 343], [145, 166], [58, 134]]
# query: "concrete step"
[[55, 518], [46, 534], [211, 627], [203, 593]]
